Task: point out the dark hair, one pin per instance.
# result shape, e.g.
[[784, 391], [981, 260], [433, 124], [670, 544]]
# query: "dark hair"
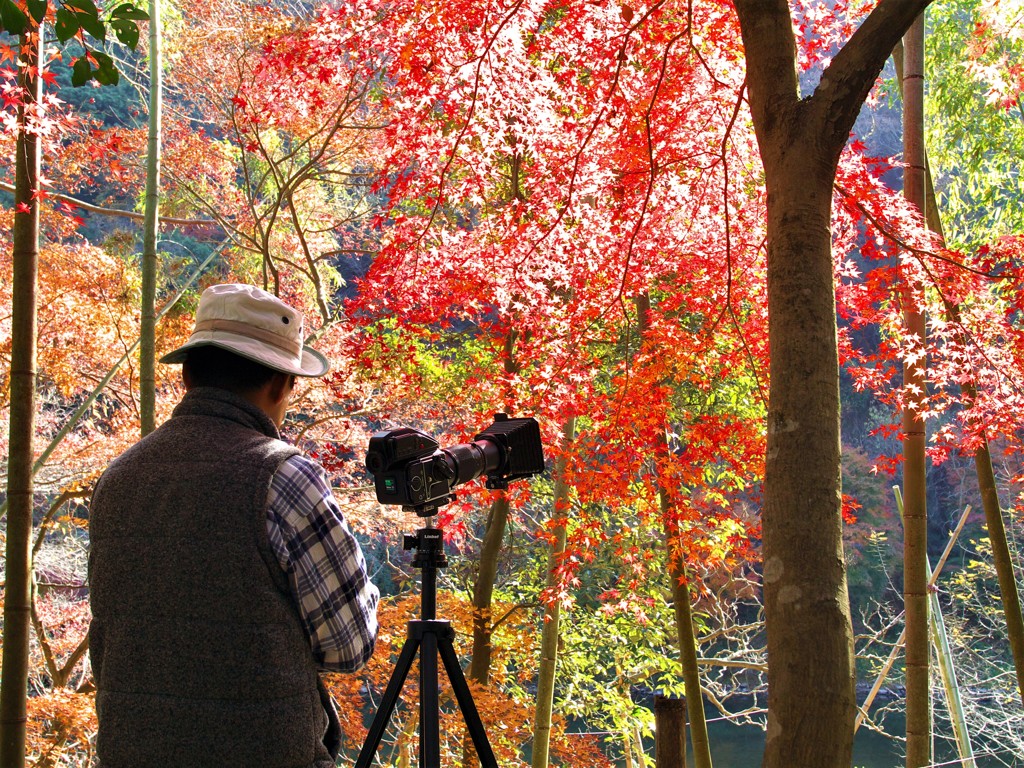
[[210, 366]]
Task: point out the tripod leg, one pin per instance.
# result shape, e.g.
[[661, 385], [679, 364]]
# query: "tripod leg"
[[465, 699], [388, 703], [430, 737]]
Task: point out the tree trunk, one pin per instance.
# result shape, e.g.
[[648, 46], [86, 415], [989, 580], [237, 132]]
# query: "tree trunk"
[[811, 693], [811, 697], [483, 590], [151, 227], [676, 556], [688, 658], [18, 589], [915, 533], [549, 632], [669, 732], [490, 550]]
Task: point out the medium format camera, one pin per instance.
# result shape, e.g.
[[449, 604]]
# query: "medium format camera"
[[410, 468]]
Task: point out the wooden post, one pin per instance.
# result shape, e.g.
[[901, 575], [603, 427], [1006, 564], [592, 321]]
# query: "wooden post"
[[669, 732]]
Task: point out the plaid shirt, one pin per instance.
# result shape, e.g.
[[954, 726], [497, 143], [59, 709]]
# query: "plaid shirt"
[[325, 566]]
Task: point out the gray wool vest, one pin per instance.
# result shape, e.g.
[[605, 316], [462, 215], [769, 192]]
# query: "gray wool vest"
[[199, 655]]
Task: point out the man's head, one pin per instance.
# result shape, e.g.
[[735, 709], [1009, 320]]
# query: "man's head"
[[249, 342]]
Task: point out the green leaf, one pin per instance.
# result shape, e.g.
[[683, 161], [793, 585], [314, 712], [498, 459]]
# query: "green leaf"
[[86, 7], [129, 11], [93, 26], [105, 73], [127, 31], [67, 25], [38, 9], [12, 17], [81, 72]]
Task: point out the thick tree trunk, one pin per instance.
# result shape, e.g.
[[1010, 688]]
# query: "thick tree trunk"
[[147, 362], [18, 587], [811, 699], [915, 532], [552, 616]]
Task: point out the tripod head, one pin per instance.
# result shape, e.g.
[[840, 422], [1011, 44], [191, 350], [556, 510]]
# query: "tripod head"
[[429, 545]]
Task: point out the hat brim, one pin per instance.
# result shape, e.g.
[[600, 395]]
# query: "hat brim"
[[311, 364]]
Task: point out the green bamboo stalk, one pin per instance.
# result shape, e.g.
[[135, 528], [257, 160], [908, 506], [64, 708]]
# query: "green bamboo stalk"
[[947, 671], [151, 229], [940, 640], [1001, 558], [915, 528]]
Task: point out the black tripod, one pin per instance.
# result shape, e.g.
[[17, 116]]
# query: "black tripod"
[[430, 636]]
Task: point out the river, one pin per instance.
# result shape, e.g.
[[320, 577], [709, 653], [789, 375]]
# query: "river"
[[734, 746]]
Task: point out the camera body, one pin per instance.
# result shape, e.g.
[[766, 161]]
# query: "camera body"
[[410, 469]]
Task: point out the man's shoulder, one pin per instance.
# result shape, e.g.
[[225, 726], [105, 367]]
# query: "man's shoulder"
[[168, 446], [300, 468]]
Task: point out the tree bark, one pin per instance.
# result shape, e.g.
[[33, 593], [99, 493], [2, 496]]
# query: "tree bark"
[[811, 675], [151, 228], [669, 732], [552, 616], [18, 589]]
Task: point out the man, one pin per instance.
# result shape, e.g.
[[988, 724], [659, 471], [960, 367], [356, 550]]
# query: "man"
[[222, 573]]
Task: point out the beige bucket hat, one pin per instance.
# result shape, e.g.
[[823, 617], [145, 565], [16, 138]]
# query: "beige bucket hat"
[[254, 324]]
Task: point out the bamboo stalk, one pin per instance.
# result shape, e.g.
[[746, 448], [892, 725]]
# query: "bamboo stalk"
[[151, 230], [1001, 557], [917, 654], [887, 666], [937, 632]]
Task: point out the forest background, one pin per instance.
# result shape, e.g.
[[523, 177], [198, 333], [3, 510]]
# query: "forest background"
[[547, 209]]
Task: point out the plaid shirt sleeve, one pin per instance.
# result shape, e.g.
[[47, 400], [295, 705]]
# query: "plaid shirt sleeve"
[[324, 564]]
